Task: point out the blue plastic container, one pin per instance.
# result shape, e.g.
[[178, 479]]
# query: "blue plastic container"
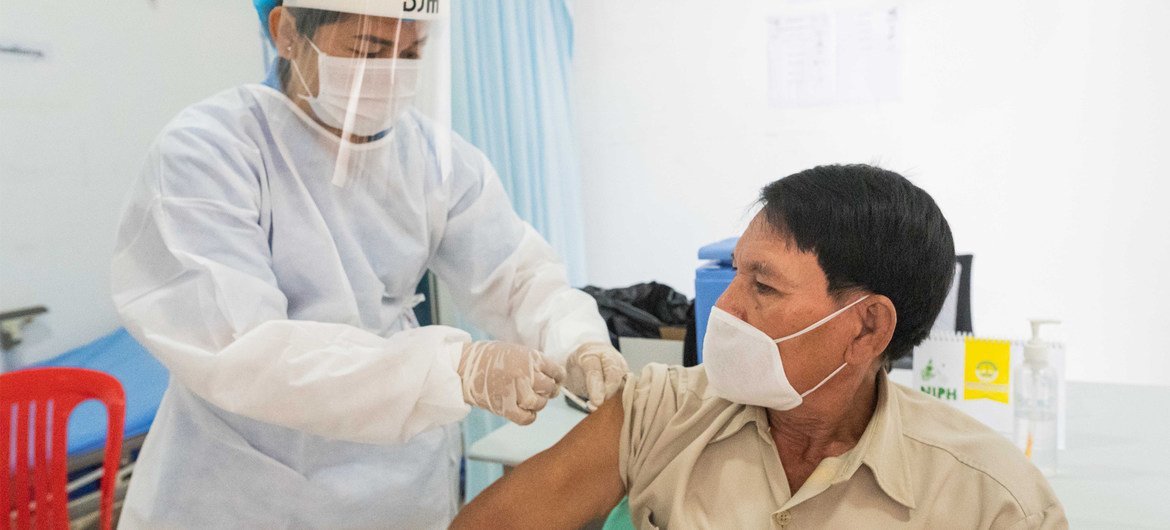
[[711, 279]]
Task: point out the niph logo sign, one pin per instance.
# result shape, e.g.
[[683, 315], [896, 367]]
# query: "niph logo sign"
[[947, 394], [939, 386]]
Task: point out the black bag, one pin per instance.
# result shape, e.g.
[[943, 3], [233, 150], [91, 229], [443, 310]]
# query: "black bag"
[[641, 310]]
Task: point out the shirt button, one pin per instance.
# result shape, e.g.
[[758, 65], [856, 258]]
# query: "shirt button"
[[782, 518]]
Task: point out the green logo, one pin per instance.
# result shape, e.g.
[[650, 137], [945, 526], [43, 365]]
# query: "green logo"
[[928, 371]]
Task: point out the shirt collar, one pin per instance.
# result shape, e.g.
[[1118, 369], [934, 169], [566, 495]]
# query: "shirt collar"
[[881, 447], [742, 415]]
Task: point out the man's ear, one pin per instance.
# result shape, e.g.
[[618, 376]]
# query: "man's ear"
[[878, 320], [282, 27]]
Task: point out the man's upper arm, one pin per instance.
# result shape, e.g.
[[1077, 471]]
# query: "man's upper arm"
[[588, 461], [565, 486]]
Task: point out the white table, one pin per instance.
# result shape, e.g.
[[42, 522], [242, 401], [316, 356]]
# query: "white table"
[[1116, 470], [1114, 474], [512, 444]]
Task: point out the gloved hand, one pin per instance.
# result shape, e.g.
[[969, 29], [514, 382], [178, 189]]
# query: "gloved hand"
[[595, 370], [508, 379]]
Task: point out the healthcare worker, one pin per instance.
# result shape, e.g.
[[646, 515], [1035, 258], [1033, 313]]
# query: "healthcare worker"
[[269, 256]]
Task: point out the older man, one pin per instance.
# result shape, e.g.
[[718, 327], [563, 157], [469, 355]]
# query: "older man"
[[791, 422]]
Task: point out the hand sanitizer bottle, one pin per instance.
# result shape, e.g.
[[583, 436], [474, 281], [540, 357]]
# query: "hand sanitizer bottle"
[[1036, 404]]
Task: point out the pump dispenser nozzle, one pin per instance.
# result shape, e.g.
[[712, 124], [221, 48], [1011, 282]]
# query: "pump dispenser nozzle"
[[1036, 350]]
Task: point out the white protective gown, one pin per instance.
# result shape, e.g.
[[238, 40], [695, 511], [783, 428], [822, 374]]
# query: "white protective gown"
[[303, 394]]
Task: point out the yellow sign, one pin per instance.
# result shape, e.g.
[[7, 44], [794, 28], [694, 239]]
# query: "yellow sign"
[[986, 370]]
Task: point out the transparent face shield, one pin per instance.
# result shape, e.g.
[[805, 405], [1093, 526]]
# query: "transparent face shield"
[[371, 78]]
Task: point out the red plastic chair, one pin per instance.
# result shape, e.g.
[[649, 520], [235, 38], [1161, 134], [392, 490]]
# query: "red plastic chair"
[[34, 406]]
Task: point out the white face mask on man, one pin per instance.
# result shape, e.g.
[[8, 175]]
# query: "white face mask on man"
[[361, 96], [743, 363]]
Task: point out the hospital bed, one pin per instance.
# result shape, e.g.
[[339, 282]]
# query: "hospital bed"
[[144, 381]]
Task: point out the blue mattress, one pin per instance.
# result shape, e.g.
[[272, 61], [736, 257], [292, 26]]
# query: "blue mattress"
[[142, 377]]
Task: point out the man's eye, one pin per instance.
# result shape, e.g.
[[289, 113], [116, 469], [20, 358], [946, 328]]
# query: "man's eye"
[[763, 289]]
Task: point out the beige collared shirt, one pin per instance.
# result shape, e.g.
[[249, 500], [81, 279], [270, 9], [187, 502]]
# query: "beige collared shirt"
[[692, 460]]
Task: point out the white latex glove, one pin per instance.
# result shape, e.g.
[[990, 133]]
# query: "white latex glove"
[[508, 379], [595, 370]]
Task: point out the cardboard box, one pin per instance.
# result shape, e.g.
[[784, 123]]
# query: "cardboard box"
[[673, 332], [640, 351]]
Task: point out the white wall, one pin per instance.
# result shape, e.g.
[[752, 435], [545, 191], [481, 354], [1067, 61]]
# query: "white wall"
[[1040, 127], [74, 129]]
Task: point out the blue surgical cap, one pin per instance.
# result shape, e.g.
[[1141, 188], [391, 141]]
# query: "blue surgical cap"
[[263, 8]]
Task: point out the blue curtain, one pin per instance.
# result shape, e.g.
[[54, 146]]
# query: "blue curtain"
[[510, 98], [511, 63]]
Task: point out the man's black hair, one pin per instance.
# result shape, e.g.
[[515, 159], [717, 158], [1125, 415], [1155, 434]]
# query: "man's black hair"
[[872, 230]]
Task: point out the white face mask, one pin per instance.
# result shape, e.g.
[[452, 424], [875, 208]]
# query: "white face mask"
[[361, 96], [743, 364]]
